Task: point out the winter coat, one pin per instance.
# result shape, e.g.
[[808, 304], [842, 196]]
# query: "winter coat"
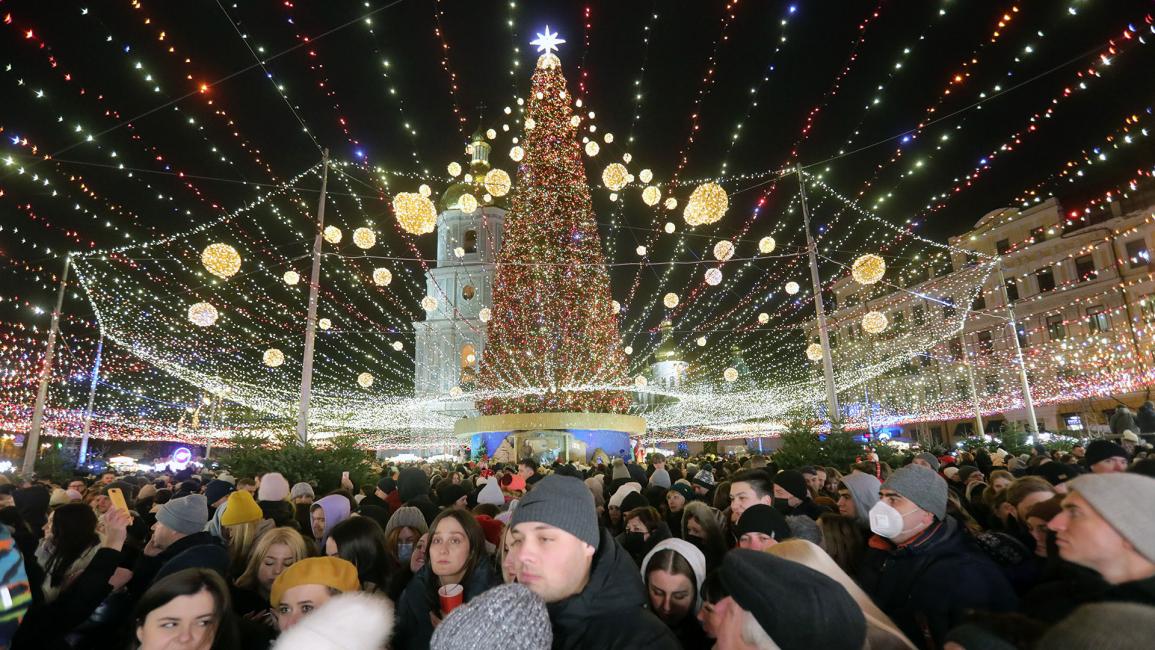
[[46, 625], [196, 550], [1123, 420], [414, 627], [1137, 591], [1145, 418], [928, 585], [610, 613]]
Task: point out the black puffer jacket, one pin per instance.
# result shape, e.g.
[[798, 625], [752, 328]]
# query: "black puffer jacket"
[[610, 613], [928, 586]]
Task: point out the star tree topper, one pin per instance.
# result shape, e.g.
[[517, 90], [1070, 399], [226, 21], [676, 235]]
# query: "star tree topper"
[[547, 42]]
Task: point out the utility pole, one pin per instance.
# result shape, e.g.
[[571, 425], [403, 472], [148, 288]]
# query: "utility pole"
[[32, 443], [823, 337], [311, 324], [1027, 401], [91, 400]]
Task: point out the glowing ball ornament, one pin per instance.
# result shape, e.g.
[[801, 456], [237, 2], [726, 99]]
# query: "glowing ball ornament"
[[364, 238], [592, 148], [426, 191], [671, 203], [640, 381], [415, 213], [701, 341], [485, 314], [273, 357], [429, 303], [324, 323], [454, 169], [626, 157], [291, 277], [516, 154], [792, 288], [763, 318], [670, 300], [575, 120], [613, 196], [641, 251], [814, 352], [629, 349], [529, 123], [615, 306], [730, 374], [868, 269], [491, 133], [614, 176], [609, 137], [497, 182], [468, 203], [221, 260], [382, 276], [766, 245], [203, 314], [723, 250], [459, 252], [670, 227], [645, 175], [713, 277], [874, 322], [707, 204], [398, 346], [651, 195], [364, 380], [332, 234]]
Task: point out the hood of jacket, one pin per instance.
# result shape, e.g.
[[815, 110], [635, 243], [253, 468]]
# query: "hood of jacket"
[[336, 508], [864, 491], [412, 483]]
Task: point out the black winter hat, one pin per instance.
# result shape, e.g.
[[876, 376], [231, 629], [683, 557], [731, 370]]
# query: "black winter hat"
[[761, 518], [216, 489], [412, 483], [1100, 450], [447, 495], [793, 482], [634, 500], [780, 593], [1056, 473]]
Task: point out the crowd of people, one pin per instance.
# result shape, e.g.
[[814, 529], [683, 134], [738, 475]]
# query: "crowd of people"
[[964, 551]]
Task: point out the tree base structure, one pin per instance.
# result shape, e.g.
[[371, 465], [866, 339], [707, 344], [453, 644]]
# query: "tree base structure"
[[545, 437]]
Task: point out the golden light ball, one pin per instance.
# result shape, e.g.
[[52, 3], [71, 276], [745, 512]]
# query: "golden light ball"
[[454, 169], [516, 154], [766, 245], [651, 195], [530, 123], [333, 234], [364, 380], [273, 357], [874, 322], [868, 269], [792, 288], [707, 204], [670, 300], [614, 176], [701, 341], [713, 277], [221, 260], [608, 138], [615, 306], [592, 148], [723, 250], [730, 374], [641, 251], [640, 381], [324, 323], [415, 213], [497, 182], [429, 303], [491, 133], [426, 191], [467, 203], [398, 346], [485, 314], [628, 349], [202, 314], [291, 277], [670, 227], [671, 203], [814, 352], [382, 276], [646, 175], [763, 318], [364, 238]]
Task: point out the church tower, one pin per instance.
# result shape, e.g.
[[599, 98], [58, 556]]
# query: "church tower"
[[668, 368], [450, 342]]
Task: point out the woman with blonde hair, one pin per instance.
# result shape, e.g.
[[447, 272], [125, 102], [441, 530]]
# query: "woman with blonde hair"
[[881, 632], [273, 552]]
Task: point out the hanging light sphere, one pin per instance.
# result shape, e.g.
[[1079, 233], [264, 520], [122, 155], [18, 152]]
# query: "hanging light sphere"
[[874, 322], [291, 277], [382, 277], [485, 314], [792, 288], [640, 381], [429, 303], [814, 352], [497, 182], [221, 260], [706, 204], [454, 169], [364, 380], [730, 374], [645, 175], [609, 137], [629, 349], [701, 341], [398, 346], [713, 277], [868, 269], [529, 123], [592, 148], [487, 198], [613, 196], [626, 157], [671, 203], [273, 357], [491, 133], [471, 358], [468, 203], [766, 245], [459, 252], [203, 314], [415, 213], [364, 238], [670, 227], [332, 234], [516, 154], [324, 323], [455, 392], [614, 176], [615, 306], [763, 318], [670, 300], [723, 250], [641, 251], [651, 195], [575, 120]]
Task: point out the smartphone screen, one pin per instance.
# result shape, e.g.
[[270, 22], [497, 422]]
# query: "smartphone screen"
[[117, 498]]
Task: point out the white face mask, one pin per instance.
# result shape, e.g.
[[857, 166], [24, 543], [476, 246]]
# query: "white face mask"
[[886, 521]]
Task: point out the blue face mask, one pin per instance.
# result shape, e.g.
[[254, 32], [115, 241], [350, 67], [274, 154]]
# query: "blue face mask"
[[405, 551]]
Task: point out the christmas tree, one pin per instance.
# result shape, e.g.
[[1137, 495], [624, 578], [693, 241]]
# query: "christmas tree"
[[553, 343]]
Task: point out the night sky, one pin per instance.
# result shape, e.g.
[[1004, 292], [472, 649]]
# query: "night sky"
[[697, 71]]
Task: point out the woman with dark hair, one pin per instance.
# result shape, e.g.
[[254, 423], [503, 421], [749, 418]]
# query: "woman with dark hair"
[[673, 573], [456, 556], [843, 540], [713, 591], [69, 544], [361, 541], [189, 608], [644, 529]]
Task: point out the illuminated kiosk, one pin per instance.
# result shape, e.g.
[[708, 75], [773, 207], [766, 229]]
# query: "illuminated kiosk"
[[546, 437]]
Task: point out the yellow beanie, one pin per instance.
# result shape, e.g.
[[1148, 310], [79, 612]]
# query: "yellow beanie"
[[241, 509], [330, 572]]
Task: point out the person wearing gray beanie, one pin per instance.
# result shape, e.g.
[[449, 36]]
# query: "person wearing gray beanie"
[[926, 459], [185, 516], [300, 492], [595, 596], [921, 486], [485, 622], [1107, 525]]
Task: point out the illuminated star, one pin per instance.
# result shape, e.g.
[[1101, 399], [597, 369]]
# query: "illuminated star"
[[547, 42]]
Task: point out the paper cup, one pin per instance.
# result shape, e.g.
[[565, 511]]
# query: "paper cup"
[[451, 597]]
